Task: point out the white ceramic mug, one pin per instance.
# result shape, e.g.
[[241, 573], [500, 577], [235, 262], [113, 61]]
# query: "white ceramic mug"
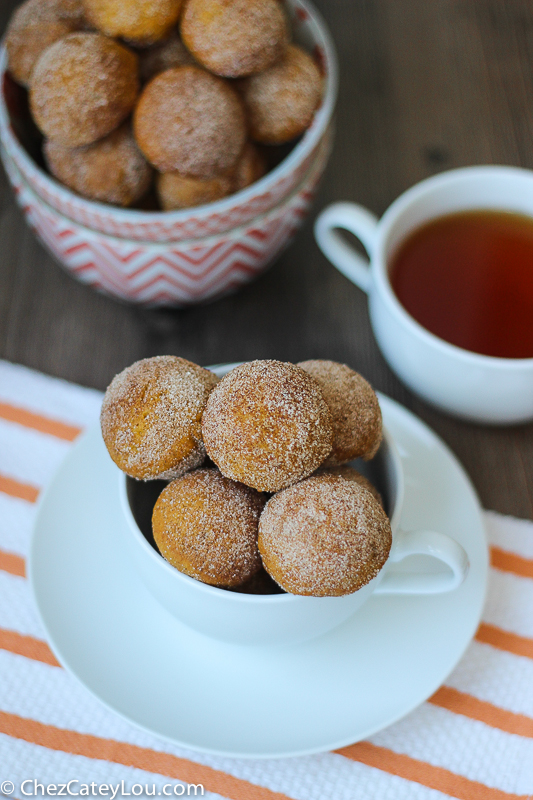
[[283, 618], [476, 387]]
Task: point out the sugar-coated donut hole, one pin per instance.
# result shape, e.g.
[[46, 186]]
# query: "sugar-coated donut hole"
[[281, 101], [324, 537], [137, 21], [267, 425], [142, 497], [251, 166], [205, 525], [354, 408], [34, 26], [151, 417], [111, 170], [82, 87], [181, 191], [235, 39], [190, 121]]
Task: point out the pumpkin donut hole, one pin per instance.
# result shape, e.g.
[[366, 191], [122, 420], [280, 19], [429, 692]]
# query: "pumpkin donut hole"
[[34, 26], [206, 527], [82, 87], [140, 22], [281, 101], [191, 122], [236, 38], [151, 417]]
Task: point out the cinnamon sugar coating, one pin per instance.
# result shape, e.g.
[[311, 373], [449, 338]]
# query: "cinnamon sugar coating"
[[190, 121], [111, 170], [82, 88], [281, 101], [34, 26], [234, 38], [354, 408], [151, 417], [169, 53], [206, 526], [138, 21], [179, 191], [74, 11], [351, 474], [267, 425], [324, 537]]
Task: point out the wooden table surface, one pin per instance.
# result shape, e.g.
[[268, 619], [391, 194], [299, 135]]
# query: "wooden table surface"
[[424, 87]]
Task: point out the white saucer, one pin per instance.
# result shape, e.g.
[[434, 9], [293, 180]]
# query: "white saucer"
[[241, 701]]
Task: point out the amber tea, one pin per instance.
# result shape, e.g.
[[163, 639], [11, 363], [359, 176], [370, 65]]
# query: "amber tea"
[[468, 278]]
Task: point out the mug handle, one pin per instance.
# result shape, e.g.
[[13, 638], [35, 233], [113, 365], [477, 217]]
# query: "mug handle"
[[429, 543], [357, 220]]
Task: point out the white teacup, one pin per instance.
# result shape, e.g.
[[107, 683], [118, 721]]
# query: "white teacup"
[[283, 618], [476, 387]]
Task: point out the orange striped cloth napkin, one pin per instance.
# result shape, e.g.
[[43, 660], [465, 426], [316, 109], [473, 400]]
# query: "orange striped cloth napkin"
[[472, 740]]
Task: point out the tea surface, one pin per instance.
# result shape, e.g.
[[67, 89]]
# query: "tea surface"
[[468, 278]]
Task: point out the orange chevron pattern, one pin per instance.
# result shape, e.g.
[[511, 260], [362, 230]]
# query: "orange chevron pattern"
[[177, 274], [163, 229]]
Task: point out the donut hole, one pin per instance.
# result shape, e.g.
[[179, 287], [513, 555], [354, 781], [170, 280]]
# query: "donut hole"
[[142, 497]]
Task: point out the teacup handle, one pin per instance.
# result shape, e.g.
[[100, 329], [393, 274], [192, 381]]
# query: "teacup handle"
[[428, 543], [357, 220]]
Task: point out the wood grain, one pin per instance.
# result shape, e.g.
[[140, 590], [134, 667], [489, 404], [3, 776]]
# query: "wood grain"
[[424, 87]]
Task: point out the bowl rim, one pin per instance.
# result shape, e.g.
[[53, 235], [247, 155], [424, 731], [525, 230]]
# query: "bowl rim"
[[303, 148], [312, 173]]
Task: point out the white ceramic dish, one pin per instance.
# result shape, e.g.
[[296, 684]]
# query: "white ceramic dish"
[[244, 701], [286, 618]]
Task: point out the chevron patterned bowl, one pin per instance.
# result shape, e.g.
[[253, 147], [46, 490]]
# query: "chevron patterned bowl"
[[171, 273], [174, 257]]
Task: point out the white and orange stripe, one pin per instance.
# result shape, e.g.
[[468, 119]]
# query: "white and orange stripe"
[[472, 740]]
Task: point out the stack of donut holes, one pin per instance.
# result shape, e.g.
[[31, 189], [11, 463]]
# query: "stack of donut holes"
[[260, 490], [183, 94]]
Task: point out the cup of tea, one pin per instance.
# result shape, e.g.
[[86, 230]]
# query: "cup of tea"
[[449, 277], [244, 616]]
